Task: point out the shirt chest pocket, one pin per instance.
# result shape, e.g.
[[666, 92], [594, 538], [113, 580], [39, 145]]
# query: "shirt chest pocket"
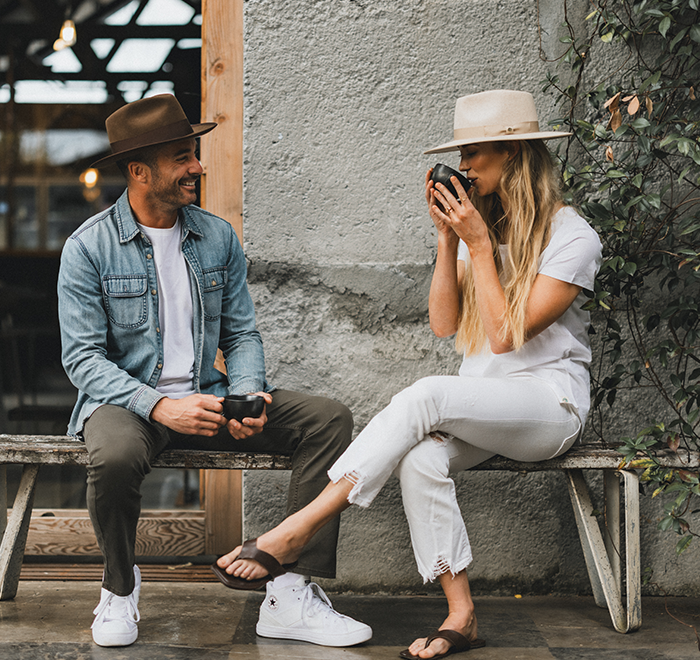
[[125, 299], [214, 280]]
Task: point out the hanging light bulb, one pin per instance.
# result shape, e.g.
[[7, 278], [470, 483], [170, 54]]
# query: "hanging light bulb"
[[89, 178], [67, 37]]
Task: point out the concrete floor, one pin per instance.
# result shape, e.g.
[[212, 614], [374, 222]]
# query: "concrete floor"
[[179, 621]]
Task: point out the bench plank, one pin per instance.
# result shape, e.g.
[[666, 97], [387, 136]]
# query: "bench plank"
[[64, 450]]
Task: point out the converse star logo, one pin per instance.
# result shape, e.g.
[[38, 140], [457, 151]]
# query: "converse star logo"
[[272, 603]]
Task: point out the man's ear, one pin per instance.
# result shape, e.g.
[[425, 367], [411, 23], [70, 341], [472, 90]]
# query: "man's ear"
[[139, 171]]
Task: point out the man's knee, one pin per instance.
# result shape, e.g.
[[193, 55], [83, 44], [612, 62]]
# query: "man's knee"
[[340, 416], [116, 444]]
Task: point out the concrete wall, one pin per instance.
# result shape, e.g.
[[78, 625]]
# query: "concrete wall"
[[342, 98]]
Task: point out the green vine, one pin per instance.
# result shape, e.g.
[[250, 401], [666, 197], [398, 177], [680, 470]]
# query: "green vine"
[[632, 166]]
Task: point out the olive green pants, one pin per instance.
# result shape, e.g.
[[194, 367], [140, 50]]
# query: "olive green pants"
[[315, 431]]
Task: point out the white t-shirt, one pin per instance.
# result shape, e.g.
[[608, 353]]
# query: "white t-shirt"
[[174, 311], [560, 354]]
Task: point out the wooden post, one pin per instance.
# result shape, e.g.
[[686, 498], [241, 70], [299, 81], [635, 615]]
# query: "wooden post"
[[221, 154]]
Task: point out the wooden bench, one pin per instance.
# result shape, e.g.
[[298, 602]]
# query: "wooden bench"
[[601, 548]]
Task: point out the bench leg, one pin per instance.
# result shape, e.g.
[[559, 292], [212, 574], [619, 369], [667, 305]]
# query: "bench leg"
[[15, 537], [606, 584], [3, 499]]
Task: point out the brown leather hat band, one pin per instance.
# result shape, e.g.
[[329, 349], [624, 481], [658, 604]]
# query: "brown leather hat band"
[[175, 131]]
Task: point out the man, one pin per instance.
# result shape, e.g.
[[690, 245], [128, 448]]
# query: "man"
[[148, 290]]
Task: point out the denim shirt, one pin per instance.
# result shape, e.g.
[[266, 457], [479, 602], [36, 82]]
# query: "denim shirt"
[[112, 348]]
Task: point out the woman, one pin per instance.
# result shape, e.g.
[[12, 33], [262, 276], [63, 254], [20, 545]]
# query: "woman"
[[511, 265]]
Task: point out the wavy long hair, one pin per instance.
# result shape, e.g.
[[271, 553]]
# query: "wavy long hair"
[[531, 191]]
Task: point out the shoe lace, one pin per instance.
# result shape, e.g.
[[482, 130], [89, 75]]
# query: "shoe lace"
[[315, 601], [114, 607]]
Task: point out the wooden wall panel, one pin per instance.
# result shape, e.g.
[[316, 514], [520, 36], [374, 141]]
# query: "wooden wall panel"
[[61, 532]]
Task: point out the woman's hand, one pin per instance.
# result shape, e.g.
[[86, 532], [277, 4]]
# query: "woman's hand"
[[460, 216], [444, 229]]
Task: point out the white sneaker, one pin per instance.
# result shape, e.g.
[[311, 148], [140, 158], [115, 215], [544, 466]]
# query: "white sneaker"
[[116, 617], [303, 612]]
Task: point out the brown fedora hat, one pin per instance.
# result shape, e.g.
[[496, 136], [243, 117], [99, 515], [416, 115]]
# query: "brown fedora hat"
[[154, 120]]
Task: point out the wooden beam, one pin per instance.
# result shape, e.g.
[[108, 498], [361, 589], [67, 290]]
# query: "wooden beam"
[[222, 102], [222, 194]]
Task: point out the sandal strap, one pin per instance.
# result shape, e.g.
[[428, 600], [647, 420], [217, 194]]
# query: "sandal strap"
[[459, 642], [251, 551]]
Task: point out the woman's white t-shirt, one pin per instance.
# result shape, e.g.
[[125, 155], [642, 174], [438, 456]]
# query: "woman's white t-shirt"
[[560, 354]]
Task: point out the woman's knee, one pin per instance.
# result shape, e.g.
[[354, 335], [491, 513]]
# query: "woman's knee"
[[428, 460], [425, 392]]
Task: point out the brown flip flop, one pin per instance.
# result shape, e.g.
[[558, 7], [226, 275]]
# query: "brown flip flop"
[[250, 550], [459, 643]]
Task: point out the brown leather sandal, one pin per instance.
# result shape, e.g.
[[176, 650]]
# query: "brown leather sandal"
[[250, 550], [459, 643]]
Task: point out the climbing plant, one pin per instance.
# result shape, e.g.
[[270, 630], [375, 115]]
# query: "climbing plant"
[[627, 88]]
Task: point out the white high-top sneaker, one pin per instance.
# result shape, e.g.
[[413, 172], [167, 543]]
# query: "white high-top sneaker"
[[303, 612], [116, 616]]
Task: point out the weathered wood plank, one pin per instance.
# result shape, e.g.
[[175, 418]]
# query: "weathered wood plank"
[[93, 572], [63, 450], [55, 450], [158, 533]]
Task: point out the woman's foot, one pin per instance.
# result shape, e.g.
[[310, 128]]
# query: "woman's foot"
[[286, 541], [461, 623], [285, 548]]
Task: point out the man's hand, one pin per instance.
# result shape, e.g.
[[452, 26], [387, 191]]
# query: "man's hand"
[[249, 426], [197, 414]]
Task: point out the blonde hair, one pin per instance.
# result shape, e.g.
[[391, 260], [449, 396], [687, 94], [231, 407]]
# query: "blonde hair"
[[530, 189]]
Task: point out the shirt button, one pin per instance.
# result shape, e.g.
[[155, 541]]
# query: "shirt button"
[[149, 256], [160, 366], [157, 329], [213, 282], [153, 291]]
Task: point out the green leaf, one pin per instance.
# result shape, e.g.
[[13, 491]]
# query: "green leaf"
[[695, 33], [677, 38], [654, 78], [664, 25], [665, 524], [616, 174], [607, 37], [683, 544]]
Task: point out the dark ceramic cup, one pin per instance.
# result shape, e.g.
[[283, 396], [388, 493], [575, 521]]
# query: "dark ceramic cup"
[[238, 406], [442, 173]]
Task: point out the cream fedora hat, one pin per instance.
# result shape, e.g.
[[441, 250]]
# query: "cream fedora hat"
[[495, 115]]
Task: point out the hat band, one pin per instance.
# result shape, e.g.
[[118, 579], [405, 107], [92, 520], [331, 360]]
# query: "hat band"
[[177, 130], [493, 131]]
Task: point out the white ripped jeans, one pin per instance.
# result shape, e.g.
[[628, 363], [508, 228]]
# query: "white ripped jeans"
[[521, 418]]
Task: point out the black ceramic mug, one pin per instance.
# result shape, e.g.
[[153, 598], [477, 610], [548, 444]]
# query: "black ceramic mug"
[[238, 406], [442, 174]]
